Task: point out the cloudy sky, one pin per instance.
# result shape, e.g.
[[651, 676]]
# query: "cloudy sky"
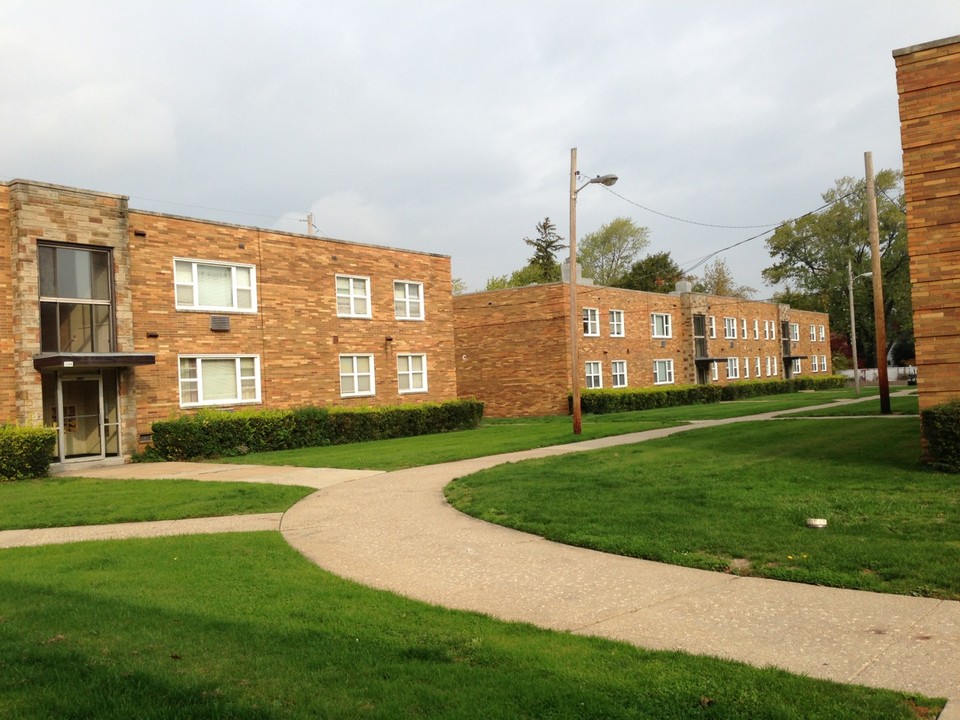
[[446, 125]]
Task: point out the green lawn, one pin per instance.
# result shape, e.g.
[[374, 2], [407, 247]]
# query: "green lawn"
[[241, 626], [502, 435], [63, 502], [905, 405], [492, 438], [736, 498]]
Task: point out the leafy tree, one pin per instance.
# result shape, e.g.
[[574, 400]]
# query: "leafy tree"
[[529, 274], [545, 247], [458, 286], [606, 254], [812, 252], [652, 273], [718, 280]]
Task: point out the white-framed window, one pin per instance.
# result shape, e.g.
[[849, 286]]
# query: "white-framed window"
[[823, 333], [660, 325], [411, 373], [353, 296], [713, 326], [813, 333], [219, 379], [662, 372], [618, 371], [356, 375], [730, 328], [594, 374], [407, 300], [773, 329], [733, 368], [769, 366], [776, 370], [208, 285], [746, 368], [823, 363], [814, 364], [756, 329], [757, 368], [715, 371], [616, 323], [796, 367], [795, 332], [591, 322], [743, 328], [766, 329]]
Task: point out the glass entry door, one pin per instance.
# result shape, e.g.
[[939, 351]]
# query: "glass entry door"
[[84, 409], [81, 431]]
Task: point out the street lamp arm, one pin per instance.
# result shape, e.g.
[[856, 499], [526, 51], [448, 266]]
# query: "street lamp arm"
[[606, 180]]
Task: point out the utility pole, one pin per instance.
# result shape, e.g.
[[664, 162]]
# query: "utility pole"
[[575, 320], [310, 224], [878, 319]]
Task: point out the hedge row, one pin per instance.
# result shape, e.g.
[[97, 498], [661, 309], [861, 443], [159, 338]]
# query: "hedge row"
[[758, 388], [212, 433], [25, 452], [941, 429], [626, 399]]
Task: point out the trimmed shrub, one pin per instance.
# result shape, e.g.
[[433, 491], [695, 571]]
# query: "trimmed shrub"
[[600, 402], [625, 399], [25, 452], [220, 433], [941, 429]]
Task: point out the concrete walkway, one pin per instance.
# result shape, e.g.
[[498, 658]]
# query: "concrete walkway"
[[394, 531]]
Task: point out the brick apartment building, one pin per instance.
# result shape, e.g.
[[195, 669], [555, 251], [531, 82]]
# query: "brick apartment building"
[[928, 84], [113, 318], [513, 345]]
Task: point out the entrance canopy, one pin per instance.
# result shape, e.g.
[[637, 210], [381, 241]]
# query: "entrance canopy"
[[58, 361]]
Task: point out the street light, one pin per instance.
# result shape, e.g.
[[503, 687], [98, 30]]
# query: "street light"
[[853, 322], [575, 321]]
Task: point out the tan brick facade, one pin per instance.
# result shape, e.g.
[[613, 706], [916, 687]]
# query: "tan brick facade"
[[294, 331], [928, 84], [513, 346]]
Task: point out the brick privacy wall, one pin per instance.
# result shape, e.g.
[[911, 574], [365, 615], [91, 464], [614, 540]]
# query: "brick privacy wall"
[[296, 331], [928, 84], [513, 344], [512, 349], [8, 364], [40, 211]]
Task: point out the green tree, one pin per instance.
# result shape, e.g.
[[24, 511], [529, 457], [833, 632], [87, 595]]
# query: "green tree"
[[545, 247], [606, 255], [811, 254], [458, 286], [529, 274], [718, 280], [652, 273]]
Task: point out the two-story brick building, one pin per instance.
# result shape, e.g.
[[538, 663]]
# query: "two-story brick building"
[[928, 83], [113, 318], [513, 345]]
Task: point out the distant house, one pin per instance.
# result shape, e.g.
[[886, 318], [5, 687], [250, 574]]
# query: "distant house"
[[928, 83], [113, 318], [513, 345]]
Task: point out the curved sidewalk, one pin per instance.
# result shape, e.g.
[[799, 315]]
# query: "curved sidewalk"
[[396, 532]]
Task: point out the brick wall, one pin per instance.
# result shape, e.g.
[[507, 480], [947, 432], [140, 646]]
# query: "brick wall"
[[296, 332], [928, 84], [8, 364]]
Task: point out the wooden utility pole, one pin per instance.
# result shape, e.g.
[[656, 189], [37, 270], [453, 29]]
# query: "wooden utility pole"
[[878, 319], [575, 319], [309, 223]]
